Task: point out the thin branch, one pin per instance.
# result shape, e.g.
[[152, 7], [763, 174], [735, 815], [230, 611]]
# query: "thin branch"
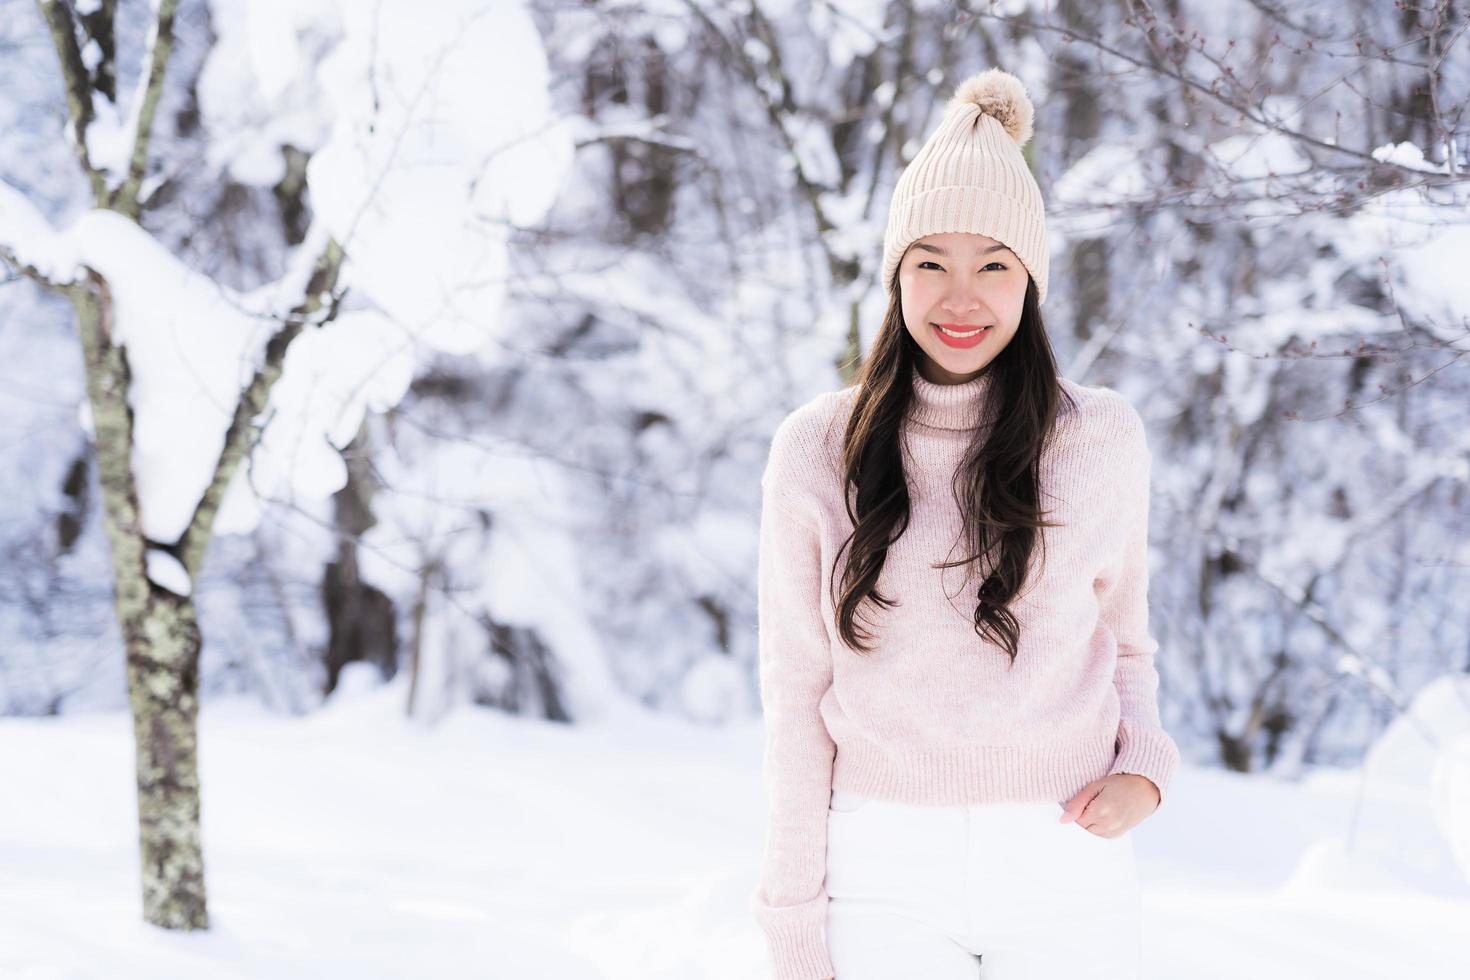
[[1442, 132], [9, 258], [77, 83], [160, 45], [253, 400]]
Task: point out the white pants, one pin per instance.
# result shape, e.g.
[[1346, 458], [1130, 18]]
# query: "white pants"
[[998, 891]]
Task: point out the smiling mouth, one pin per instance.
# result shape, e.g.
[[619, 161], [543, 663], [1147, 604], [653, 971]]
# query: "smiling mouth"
[[958, 334]]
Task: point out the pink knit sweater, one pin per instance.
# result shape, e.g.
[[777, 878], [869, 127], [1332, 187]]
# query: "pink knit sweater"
[[933, 715]]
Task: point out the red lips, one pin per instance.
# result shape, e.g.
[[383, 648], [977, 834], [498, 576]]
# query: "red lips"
[[961, 342]]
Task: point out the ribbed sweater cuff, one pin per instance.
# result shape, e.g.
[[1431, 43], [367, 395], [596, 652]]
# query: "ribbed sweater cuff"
[[1149, 751], [796, 938]]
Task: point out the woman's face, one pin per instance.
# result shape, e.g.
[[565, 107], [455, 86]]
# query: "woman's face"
[[962, 282]]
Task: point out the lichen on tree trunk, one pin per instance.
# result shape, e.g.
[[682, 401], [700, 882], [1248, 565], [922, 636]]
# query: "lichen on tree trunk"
[[163, 688]]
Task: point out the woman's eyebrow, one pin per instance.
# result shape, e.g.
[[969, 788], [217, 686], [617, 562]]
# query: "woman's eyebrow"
[[939, 251]]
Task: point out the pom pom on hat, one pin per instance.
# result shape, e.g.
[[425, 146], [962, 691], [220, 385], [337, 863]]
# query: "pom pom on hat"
[[1000, 95]]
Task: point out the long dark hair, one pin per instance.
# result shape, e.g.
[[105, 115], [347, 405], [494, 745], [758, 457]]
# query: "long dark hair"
[[997, 486]]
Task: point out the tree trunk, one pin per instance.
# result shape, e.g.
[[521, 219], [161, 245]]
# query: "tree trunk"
[[361, 617], [160, 635], [163, 643]]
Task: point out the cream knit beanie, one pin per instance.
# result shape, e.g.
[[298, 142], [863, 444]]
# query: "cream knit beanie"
[[970, 176]]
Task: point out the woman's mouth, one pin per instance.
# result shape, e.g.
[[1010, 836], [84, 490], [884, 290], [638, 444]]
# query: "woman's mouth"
[[960, 335]]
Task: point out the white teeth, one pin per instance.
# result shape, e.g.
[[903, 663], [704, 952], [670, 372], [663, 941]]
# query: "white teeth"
[[951, 333]]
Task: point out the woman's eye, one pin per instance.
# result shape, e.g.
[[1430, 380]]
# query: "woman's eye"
[[927, 262]]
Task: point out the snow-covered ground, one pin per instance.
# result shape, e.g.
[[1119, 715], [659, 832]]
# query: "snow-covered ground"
[[354, 843]]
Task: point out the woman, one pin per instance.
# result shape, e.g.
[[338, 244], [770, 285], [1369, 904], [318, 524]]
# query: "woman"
[[955, 663]]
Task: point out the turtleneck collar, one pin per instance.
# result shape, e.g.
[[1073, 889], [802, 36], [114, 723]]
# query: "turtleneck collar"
[[942, 406]]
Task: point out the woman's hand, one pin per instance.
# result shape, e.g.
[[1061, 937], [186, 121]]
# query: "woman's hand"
[[1113, 805]]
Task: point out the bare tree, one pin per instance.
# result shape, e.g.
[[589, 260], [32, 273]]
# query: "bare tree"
[[159, 625]]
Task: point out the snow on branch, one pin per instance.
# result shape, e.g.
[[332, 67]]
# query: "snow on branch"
[[252, 401], [30, 245]]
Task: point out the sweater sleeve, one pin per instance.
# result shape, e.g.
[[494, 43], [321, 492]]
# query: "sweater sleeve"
[[790, 904], [1144, 747]]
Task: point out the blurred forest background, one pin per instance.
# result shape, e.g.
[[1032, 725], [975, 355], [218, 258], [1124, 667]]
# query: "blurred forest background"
[[518, 453]]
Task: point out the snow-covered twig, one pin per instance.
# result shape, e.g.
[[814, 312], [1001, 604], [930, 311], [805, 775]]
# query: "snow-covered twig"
[[254, 399]]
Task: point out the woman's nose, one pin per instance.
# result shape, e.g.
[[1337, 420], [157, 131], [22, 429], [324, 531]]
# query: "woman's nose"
[[961, 303]]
